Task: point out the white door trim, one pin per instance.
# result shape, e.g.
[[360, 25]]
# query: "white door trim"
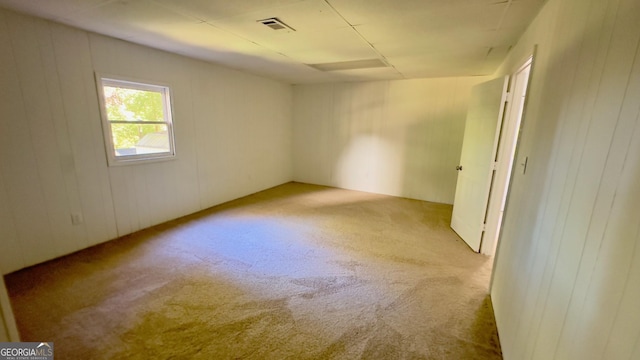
[[507, 156]]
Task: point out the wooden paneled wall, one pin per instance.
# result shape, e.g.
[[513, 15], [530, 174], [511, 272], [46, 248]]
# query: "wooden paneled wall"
[[233, 138], [399, 138], [567, 278]]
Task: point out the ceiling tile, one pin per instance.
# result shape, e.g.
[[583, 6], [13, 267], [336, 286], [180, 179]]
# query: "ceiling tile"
[[506, 37], [447, 42], [331, 46], [388, 73], [319, 56], [337, 39], [320, 36], [52, 9], [521, 13], [421, 38], [433, 13], [305, 17], [494, 58], [442, 62], [130, 17], [461, 67], [460, 70], [206, 36], [207, 10]]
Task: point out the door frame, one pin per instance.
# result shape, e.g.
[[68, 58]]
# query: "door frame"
[[505, 156]]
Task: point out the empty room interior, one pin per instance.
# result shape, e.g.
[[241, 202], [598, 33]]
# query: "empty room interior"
[[321, 179]]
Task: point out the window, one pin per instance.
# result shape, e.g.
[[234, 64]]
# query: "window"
[[136, 120]]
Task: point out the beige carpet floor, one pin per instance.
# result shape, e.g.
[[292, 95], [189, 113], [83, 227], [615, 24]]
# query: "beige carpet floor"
[[295, 272]]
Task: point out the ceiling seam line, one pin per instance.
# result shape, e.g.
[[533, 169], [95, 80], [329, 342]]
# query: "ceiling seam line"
[[209, 23], [384, 58], [508, 4], [248, 40]]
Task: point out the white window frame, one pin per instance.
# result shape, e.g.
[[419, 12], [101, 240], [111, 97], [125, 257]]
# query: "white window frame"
[[120, 81]]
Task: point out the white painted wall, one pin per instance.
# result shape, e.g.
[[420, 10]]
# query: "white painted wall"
[[399, 138], [233, 138], [567, 278]]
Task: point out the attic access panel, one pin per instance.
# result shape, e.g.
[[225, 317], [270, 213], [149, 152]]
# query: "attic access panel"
[[349, 65]]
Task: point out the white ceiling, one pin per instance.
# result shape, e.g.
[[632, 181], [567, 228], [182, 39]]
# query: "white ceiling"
[[416, 38]]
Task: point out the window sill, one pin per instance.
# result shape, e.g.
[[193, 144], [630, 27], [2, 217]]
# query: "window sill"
[[140, 161]]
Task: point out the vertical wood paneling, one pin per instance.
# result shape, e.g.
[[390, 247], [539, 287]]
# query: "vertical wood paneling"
[[11, 255], [625, 330], [205, 135], [74, 235], [81, 109], [183, 172], [585, 57], [159, 191], [124, 200], [243, 140], [311, 140], [618, 117], [508, 265], [525, 263], [18, 158], [566, 270], [361, 106], [584, 191], [30, 46], [636, 351], [393, 137], [233, 136]]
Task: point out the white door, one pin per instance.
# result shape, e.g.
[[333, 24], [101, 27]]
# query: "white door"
[[475, 172]]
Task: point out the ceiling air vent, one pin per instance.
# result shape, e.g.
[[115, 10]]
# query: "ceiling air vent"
[[275, 24]]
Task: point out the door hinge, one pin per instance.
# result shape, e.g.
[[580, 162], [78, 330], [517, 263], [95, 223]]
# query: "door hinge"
[[509, 96], [483, 227], [495, 165]]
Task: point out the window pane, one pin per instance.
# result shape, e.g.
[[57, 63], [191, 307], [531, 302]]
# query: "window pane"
[[137, 121], [134, 139], [125, 104]]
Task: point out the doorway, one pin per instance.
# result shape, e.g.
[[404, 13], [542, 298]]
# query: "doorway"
[[492, 130], [506, 158]]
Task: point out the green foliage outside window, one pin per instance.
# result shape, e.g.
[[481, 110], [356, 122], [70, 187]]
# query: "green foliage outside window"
[[124, 104]]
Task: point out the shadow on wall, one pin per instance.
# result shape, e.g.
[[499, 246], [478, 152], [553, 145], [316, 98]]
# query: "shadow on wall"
[[400, 138], [432, 150], [403, 155], [371, 163], [358, 123]]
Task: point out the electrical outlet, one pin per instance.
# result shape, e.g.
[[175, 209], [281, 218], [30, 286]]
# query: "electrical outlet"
[[76, 218]]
